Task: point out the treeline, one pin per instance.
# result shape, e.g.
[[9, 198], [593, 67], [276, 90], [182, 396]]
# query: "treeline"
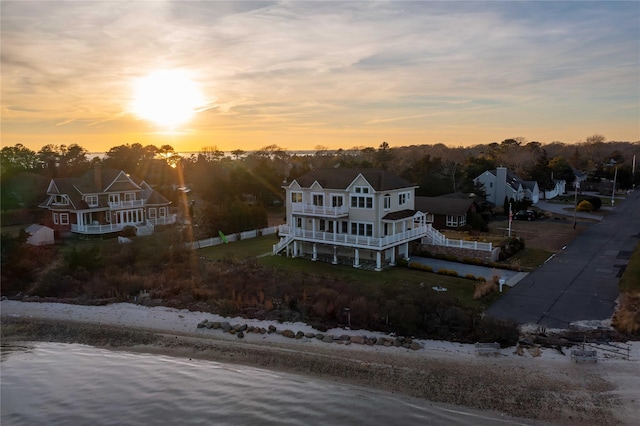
[[255, 178]]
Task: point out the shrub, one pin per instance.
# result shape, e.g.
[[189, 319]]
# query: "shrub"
[[420, 267], [585, 206], [483, 288], [500, 331], [627, 316], [443, 271]]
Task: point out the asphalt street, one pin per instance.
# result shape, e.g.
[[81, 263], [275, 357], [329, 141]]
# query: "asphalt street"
[[581, 282]]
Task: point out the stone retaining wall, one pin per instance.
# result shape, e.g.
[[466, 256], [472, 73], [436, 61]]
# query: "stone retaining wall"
[[462, 253], [344, 339]]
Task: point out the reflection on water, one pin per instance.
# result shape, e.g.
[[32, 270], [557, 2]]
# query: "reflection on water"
[[62, 384]]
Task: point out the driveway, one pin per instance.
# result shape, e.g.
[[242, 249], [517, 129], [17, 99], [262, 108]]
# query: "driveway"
[[581, 282]]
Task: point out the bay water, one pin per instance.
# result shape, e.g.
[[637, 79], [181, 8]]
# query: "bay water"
[[70, 384]]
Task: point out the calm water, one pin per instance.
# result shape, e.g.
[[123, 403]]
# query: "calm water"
[[61, 384]]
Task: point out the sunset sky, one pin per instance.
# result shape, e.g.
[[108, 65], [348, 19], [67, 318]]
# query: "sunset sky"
[[300, 74]]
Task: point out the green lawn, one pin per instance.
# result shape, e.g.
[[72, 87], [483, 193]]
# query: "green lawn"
[[242, 249]]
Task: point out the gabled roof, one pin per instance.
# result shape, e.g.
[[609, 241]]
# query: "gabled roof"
[[443, 205], [340, 178]]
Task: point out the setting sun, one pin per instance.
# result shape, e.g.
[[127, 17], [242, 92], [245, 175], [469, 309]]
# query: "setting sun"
[[168, 98]]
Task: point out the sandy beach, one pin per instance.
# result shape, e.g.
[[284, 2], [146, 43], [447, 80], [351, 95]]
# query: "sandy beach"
[[535, 383]]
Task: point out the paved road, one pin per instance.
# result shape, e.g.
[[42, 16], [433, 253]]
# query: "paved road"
[[581, 282]]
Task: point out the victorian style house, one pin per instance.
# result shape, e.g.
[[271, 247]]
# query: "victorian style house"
[[103, 202]]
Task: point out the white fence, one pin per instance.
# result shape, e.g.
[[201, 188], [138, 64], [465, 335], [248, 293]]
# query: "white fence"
[[436, 238], [214, 241]]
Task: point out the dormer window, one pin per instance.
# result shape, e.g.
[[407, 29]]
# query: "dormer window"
[[60, 199], [361, 190]]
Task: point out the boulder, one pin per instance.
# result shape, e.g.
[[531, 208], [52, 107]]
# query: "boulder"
[[202, 324], [288, 333], [309, 335], [215, 325], [243, 327], [209, 324], [319, 336], [327, 338], [343, 337], [380, 341], [250, 329], [357, 340], [272, 328], [299, 335], [225, 326], [415, 346], [240, 334], [371, 341]]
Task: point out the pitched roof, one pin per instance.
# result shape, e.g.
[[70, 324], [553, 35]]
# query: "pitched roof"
[[443, 205], [339, 178]]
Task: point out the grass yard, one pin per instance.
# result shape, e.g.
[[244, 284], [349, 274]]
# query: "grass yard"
[[243, 249]]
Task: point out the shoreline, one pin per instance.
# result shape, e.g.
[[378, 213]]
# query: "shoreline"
[[547, 387]]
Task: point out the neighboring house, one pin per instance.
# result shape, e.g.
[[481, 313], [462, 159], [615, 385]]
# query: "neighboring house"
[[40, 235], [559, 188], [357, 215], [103, 202], [446, 211], [501, 183]]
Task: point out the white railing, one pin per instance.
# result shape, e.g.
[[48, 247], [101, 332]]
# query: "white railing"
[[214, 241], [125, 204], [281, 244], [319, 210], [164, 220], [354, 240], [99, 229], [436, 238]]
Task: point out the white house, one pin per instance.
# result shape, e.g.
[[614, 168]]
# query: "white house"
[[501, 183], [350, 215]]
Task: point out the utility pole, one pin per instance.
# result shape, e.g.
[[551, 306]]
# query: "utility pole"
[[576, 185], [613, 190]]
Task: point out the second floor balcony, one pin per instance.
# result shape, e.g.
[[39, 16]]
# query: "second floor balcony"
[[126, 204], [324, 211]]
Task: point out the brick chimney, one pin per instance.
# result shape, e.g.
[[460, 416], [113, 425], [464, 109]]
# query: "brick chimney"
[[97, 176]]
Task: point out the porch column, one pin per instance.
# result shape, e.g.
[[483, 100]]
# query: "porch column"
[[406, 250], [315, 253], [79, 219], [335, 229], [335, 255], [295, 249], [313, 228], [356, 260], [393, 256], [378, 261]]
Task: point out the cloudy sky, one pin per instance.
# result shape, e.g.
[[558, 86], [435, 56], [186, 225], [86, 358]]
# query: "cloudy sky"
[[301, 74]]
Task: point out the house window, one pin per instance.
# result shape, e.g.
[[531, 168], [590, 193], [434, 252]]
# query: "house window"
[[56, 221], [60, 199], [387, 202], [490, 184], [130, 196], [322, 225], [455, 221], [298, 222], [345, 227], [403, 198], [296, 197], [152, 213], [64, 218], [92, 200], [162, 211], [361, 190], [337, 201], [362, 202], [114, 198], [318, 199], [362, 229]]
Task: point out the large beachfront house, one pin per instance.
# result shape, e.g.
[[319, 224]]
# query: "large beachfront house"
[[359, 216], [103, 202]]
